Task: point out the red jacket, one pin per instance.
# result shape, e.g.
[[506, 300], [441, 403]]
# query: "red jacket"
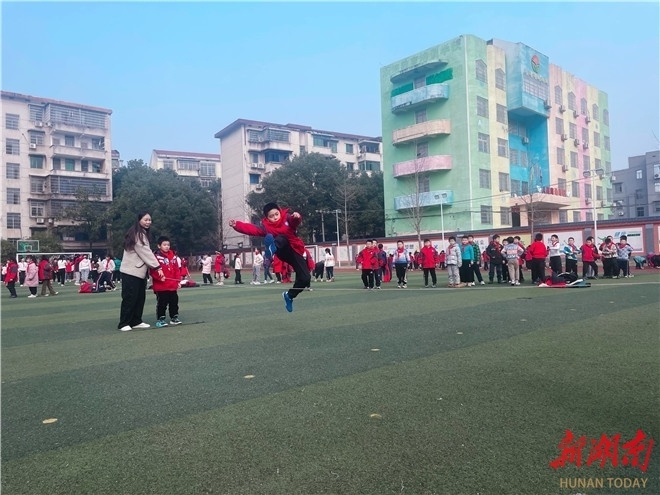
[[12, 272], [219, 263], [45, 270], [589, 252], [537, 250], [285, 226], [310, 260], [277, 264], [169, 262], [368, 258], [428, 257]]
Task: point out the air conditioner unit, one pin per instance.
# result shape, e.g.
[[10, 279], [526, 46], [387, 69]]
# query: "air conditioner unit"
[[575, 114], [564, 137], [585, 145], [51, 221], [564, 168], [587, 119], [259, 187], [547, 105], [525, 140], [621, 213], [576, 142], [38, 124], [562, 108], [41, 221], [33, 146], [656, 176], [587, 201]]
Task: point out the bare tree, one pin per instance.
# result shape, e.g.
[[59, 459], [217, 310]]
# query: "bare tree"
[[413, 202]]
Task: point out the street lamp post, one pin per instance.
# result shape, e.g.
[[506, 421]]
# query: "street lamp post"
[[336, 212], [592, 173], [443, 196], [322, 223]]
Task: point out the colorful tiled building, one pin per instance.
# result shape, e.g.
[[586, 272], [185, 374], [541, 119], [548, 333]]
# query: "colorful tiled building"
[[488, 134]]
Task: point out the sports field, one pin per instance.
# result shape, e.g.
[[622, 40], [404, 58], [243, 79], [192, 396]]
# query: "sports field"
[[415, 391]]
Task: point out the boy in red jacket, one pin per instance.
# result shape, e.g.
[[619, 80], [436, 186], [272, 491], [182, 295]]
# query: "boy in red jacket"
[[11, 277], [368, 258], [428, 260], [589, 257], [166, 287], [278, 228], [538, 251]]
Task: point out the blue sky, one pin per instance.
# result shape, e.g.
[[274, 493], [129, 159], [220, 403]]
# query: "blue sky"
[[176, 73]]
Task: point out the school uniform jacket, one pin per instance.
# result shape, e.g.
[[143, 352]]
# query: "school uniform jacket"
[[429, 257], [170, 264], [285, 226]]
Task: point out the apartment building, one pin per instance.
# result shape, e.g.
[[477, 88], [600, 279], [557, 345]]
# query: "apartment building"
[[485, 134], [52, 149], [636, 189], [203, 166], [251, 149]]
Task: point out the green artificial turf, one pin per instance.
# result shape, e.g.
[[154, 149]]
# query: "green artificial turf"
[[415, 391]]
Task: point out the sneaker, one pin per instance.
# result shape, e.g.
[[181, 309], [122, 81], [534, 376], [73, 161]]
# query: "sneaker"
[[32, 295], [219, 283], [175, 320], [142, 325], [378, 288], [398, 286], [126, 328], [433, 286], [482, 283], [404, 286], [161, 323], [288, 302], [271, 248], [46, 295], [426, 286]]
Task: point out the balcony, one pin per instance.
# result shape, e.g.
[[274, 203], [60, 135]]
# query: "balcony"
[[92, 153], [426, 129], [425, 164], [547, 197], [416, 97], [431, 198]]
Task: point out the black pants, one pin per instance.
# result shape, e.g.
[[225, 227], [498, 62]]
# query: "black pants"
[[378, 276], [368, 278], [477, 272], [206, 278], [163, 300], [571, 266], [434, 279], [400, 273], [105, 278], [610, 267], [555, 264], [495, 267], [297, 262], [538, 270], [11, 286], [586, 265], [133, 296], [330, 272], [61, 275], [237, 277], [466, 273], [621, 268], [21, 278]]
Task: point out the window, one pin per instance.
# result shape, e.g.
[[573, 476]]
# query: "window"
[[37, 208], [571, 101], [514, 157], [69, 141], [657, 188], [303, 150], [69, 164], [515, 187], [640, 211], [484, 178], [575, 189], [419, 82], [481, 71], [559, 125], [422, 150], [97, 167], [187, 165], [36, 113], [84, 166], [574, 159], [12, 147], [587, 191], [206, 169], [595, 112], [370, 148], [420, 116], [597, 163], [608, 167], [482, 107], [57, 164], [606, 117], [502, 147], [572, 130], [585, 135], [13, 196], [561, 156], [586, 163], [561, 184], [618, 187], [500, 79], [486, 214], [608, 195], [254, 157], [13, 220], [13, 171], [501, 114], [559, 97], [505, 216], [583, 106], [589, 216], [36, 162], [484, 142], [534, 86], [607, 142], [524, 188], [517, 128], [350, 166], [205, 183], [599, 193], [169, 164], [37, 185], [639, 174], [563, 216], [423, 183], [11, 121], [369, 165], [325, 142], [503, 181], [349, 148], [524, 158], [577, 217], [275, 157], [37, 137], [254, 179], [597, 139]]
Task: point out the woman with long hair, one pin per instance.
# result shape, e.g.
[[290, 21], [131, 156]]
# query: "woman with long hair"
[[135, 264]]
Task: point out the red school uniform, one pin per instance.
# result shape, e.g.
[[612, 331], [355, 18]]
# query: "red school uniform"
[[286, 226], [169, 263], [428, 257]]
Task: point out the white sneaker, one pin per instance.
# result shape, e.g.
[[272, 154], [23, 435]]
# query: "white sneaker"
[[127, 328], [32, 295], [482, 283], [142, 325], [257, 283]]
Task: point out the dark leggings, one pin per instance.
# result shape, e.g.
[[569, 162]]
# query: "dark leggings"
[[400, 273]]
